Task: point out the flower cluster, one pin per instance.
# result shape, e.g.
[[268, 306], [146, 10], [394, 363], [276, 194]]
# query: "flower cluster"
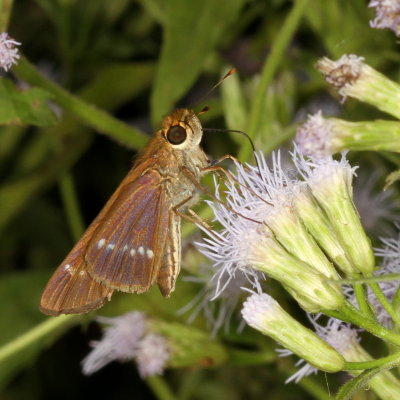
[[298, 227]]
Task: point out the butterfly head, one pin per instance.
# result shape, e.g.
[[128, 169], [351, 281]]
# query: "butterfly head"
[[182, 129]]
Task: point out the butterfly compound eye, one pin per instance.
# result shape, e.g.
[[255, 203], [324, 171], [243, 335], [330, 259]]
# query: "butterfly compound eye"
[[176, 134]]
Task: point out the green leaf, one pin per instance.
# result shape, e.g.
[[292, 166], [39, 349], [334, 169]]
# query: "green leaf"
[[24, 107], [128, 79], [193, 30]]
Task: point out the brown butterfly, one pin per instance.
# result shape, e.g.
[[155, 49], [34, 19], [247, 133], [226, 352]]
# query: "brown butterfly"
[[135, 240]]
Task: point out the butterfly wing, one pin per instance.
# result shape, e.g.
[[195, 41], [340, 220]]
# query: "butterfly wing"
[[126, 249], [71, 290]]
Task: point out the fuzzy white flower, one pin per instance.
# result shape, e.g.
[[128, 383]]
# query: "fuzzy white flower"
[[128, 338], [8, 51], [387, 15], [152, 354]]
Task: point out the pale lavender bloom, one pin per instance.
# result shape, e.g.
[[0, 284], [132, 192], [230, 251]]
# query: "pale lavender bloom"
[[152, 355], [8, 51], [314, 137], [127, 338], [387, 15]]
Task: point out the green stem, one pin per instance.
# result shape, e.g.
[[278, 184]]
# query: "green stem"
[[160, 388], [396, 300], [351, 366], [36, 334], [96, 118], [274, 59], [376, 278], [71, 206], [359, 291], [385, 302]]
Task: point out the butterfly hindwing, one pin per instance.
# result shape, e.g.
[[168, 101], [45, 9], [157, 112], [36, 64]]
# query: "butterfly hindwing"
[[71, 289], [126, 250]]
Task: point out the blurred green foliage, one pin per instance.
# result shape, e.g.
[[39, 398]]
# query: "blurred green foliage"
[[137, 60]]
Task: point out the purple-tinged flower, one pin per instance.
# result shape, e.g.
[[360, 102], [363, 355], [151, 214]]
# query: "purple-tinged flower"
[[8, 51], [128, 337], [320, 137], [387, 15], [152, 354], [314, 137]]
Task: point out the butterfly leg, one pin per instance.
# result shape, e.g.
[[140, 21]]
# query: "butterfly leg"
[[202, 188], [192, 217], [226, 157], [170, 265]]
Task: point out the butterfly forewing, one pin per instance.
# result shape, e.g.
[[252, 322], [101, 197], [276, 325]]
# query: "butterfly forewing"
[[124, 251], [71, 290]]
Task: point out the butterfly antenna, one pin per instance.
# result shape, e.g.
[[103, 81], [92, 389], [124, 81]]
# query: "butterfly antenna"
[[202, 98]]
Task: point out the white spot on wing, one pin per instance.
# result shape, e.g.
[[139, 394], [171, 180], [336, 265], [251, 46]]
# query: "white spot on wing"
[[149, 253], [100, 243], [125, 248], [67, 267], [141, 250], [132, 252], [110, 246]]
